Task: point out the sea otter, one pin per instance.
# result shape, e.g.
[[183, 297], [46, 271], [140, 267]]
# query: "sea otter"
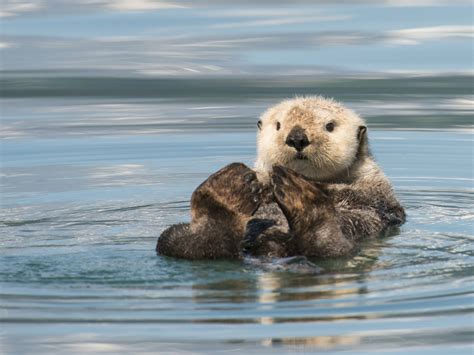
[[315, 191]]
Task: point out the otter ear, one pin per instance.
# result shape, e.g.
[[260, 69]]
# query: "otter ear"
[[361, 133], [259, 124], [363, 142]]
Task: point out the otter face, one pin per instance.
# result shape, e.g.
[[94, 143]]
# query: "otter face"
[[316, 137]]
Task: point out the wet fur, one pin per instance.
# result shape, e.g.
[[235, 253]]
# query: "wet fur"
[[220, 209], [322, 206]]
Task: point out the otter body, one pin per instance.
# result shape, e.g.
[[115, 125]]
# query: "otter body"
[[315, 191]]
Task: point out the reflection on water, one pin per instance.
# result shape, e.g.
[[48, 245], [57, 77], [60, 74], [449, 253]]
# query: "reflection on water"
[[89, 184]]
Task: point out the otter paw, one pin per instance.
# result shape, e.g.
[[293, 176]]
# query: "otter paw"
[[295, 194], [261, 240], [254, 229], [234, 187]]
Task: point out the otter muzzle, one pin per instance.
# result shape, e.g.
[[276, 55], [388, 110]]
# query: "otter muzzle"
[[297, 138]]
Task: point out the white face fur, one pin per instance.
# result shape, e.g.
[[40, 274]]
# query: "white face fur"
[[332, 131]]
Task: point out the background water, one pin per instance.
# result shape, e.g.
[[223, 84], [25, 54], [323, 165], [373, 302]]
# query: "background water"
[[88, 184], [113, 111]]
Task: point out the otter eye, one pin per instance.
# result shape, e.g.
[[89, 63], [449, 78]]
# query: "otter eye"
[[259, 124], [278, 126], [330, 127]]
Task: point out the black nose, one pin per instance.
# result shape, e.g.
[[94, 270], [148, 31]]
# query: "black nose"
[[297, 139]]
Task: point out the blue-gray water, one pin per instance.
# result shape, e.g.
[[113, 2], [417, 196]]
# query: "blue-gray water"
[[90, 179]]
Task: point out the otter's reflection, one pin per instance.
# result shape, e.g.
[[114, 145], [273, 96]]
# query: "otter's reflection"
[[262, 284], [268, 294]]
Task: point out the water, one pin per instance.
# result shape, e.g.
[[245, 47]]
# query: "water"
[[90, 181]]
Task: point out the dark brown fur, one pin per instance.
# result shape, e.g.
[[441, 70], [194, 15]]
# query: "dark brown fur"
[[297, 216], [220, 209]]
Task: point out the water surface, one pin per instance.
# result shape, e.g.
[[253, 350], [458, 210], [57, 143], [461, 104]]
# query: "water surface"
[[88, 184]]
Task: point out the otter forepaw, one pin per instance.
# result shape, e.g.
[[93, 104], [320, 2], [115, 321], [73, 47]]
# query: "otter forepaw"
[[260, 240]]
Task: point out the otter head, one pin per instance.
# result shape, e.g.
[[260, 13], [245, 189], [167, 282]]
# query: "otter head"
[[314, 136]]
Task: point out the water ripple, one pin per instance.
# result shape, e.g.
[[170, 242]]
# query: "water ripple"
[[80, 266]]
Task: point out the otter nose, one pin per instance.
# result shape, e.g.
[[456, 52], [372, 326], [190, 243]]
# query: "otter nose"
[[297, 139]]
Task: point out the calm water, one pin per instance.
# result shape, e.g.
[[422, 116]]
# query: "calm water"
[[88, 183]]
